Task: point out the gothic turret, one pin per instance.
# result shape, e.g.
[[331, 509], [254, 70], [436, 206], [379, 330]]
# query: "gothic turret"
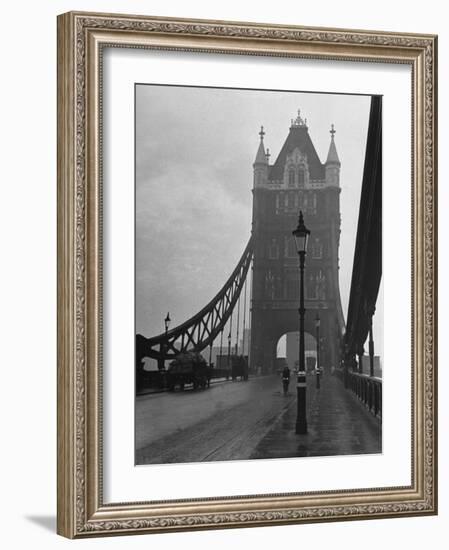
[[261, 162], [333, 162], [296, 180], [297, 162]]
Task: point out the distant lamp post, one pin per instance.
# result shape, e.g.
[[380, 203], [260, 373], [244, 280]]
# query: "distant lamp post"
[[318, 371], [301, 234], [167, 321], [229, 348]]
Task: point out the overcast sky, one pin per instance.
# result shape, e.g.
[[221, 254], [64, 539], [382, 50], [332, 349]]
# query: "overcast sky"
[[194, 153]]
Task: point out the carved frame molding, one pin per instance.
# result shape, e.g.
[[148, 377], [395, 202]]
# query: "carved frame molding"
[[81, 37]]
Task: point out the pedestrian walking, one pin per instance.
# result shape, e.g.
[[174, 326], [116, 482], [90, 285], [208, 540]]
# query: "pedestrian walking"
[[285, 379]]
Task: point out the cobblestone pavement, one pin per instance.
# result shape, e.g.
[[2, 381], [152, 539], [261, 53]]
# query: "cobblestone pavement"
[[338, 424]]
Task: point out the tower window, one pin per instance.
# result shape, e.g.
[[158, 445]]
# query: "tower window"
[[311, 288], [290, 248], [301, 177], [291, 200], [292, 289], [291, 178], [269, 285], [277, 289], [273, 250], [317, 249], [321, 286], [313, 203]]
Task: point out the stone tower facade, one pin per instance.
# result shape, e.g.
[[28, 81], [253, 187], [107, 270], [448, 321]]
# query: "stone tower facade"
[[297, 180]]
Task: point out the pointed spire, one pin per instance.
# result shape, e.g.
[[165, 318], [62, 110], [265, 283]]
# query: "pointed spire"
[[299, 122], [332, 156], [261, 157]]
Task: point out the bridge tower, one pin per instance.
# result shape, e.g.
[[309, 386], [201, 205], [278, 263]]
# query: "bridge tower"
[[297, 180]]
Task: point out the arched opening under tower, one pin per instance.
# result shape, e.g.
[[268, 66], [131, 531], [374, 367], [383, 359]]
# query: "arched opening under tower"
[[287, 351]]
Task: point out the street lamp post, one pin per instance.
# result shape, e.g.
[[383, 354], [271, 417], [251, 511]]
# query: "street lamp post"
[[167, 322], [317, 327], [301, 234], [165, 344]]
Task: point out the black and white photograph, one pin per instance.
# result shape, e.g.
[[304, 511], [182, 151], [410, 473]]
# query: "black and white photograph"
[[258, 263], [223, 237]]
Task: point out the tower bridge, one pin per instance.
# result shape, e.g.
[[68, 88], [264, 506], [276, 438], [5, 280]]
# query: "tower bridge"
[[267, 279], [297, 180]]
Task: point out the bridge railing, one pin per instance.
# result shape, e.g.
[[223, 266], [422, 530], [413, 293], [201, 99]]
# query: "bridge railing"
[[368, 389]]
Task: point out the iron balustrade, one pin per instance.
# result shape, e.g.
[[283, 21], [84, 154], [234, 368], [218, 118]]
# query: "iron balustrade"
[[368, 389]]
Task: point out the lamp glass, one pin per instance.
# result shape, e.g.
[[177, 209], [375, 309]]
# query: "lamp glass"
[[167, 321], [301, 234], [301, 239]]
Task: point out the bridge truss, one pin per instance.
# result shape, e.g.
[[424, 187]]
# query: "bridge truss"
[[199, 332]]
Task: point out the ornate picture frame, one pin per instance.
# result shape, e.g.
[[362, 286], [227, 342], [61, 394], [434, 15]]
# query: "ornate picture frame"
[[82, 39]]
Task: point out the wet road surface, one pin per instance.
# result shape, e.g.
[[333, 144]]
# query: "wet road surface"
[[225, 422]]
